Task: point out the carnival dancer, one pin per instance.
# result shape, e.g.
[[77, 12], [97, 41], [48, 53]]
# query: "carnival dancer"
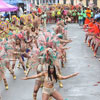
[[89, 29], [50, 77], [5, 58], [87, 21], [23, 50], [39, 81], [97, 34], [2, 72]]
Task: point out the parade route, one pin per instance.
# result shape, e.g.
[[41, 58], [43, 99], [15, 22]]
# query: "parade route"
[[85, 86]]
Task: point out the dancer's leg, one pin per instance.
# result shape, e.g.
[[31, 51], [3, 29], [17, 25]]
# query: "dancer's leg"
[[89, 42], [57, 95], [13, 65], [96, 49], [21, 61], [27, 56], [86, 36], [7, 63], [36, 88], [29, 69], [45, 96], [4, 79]]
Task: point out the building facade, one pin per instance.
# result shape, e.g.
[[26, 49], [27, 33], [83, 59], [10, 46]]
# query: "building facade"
[[96, 2], [73, 2], [84, 2]]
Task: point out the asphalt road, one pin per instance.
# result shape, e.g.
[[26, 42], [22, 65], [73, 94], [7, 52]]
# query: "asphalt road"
[[80, 59]]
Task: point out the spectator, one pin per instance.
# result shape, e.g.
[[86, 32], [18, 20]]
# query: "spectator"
[[20, 11], [80, 18]]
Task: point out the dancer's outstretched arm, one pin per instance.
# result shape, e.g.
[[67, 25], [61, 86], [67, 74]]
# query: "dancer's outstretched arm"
[[66, 77], [34, 76]]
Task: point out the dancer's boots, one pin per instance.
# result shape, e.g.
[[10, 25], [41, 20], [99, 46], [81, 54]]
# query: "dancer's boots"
[[60, 84], [93, 46], [50, 98], [18, 66], [34, 96], [27, 65], [12, 73], [95, 52], [24, 70], [6, 84], [28, 71]]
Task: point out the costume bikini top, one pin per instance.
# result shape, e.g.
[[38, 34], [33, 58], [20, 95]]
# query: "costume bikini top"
[[49, 81]]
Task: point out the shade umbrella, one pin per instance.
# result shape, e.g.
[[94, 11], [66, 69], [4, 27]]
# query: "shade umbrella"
[[4, 7]]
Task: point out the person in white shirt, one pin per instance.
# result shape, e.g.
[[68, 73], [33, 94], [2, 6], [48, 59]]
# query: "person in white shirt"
[[20, 11]]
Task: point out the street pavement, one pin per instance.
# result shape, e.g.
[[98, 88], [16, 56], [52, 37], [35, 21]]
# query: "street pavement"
[[80, 59]]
